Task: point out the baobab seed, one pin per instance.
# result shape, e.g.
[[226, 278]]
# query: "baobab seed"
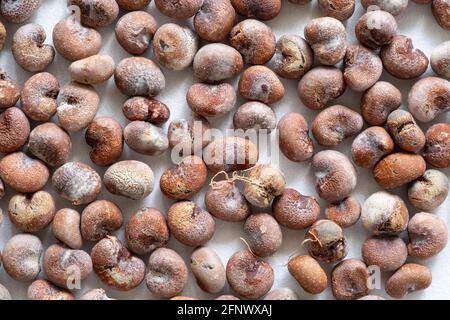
[[99, 219], [130, 178], [405, 131], [64, 266], [402, 60], [281, 294], [143, 109], [32, 212], [319, 86], [249, 276], [263, 234], [50, 143], [3, 35], [22, 173], [345, 213], [349, 280], [394, 7], [95, 69], [225, 201], [9, 91], [115, 266], [167, 273], [294, 140], [211, 100], [77, 182], [189, 136], [255, 116], [95, 294], [4, 293], [326, 242], [227, 297], [370, 146], [215, 19], [428, 235], [376, 29], [179, 9], [338, 9], [379, 101], [328, 39], [21, 257], [441, 9], [217, 62], [146, 231], [261, 84], [14, 130], [294, 210], [190, 224], [96, 13], [132, 5], [77, 106], [409, 278], [308, 273], [259, 9], [208, 270], [139, 76], [66, 228], [29, 50], [44, 290], [332, 125], [18, 11], [384, 214], [145, 138], [386, 252], [398, 169], [135, 31], [104, 135], [39, 96], [429, 191], [293, 57], [440, 60], [254, 40], [437, 146], [83, 42]]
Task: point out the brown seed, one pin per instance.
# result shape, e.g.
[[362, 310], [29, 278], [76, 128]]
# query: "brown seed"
[[338, 9], [145, 138], [74, 41], [345, 213], [95, 69], [210, 100], [255, 116], [227, 297], [379, 101], [394, 7], [386, 252], [9, 91], [3, 35], [104, 136], [370, 146], [32, 212], [14, 130], [77, 182], [44, 290], [429, 191], [440, 60], [349, 280], [409, 278], [50, 143], [308, 273], [281, 294], [143, 109], [384, 213], [328, 39], [398, 169], [259, 9], [326, 242], [294, 140], [77, 106], [376, 28], [66, 228], [263, 234], [95, 294], [294, 210], [21, 257], [99, 219], [300, 1], [4, 293], [135, 31], [96, 13], [320, 86], [261, 84], [401, 59], [65, 266], [146, 231], [428, 98], [131, 179], [115, 266], [18, 11], [22, 173], [217, 62], [441, 9], [39, 96], [293, 57], [179, 9], [225, 201], [29, 50], [167, 273], [208, 270], [254, 40], [428, 235], [249, 276], [131, 5], [405, 131], [190, 224], [189, 136], [215, 19], [437, 147]]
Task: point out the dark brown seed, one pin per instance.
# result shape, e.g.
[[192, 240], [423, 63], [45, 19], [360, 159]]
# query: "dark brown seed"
[[14, 130], [349, 280], [263, 234], [405, 131], [143, 109], [294, 140], [370, 146], [215, 19], [210, 100], [379, 101], [293, 57], [437, 147], [259, 9], [441, 11], [179, 9], [386, 252], [99, 219], [345, 213], [131, 5], [376, 29]]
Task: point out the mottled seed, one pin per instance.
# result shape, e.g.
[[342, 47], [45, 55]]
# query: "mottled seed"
[[370, 146], [189, 136], [145, 138], [211, 100], [281, 294], [308, 273], [386, 252], [14, 130], [143, 109], [345, 213], [293, 57], [66, 228], [405, 131], [208, 270], [95, 294], [441, 9], [338, 9], [104, 136], [255, 116], [99, 219], [44, 290], [261, 84], [96, 13], [409, 278], [394, 7], [429, 191], [294, 140], [437, 147], [376, 29], [263, 234], [215, 19], [179, 9], [18, 11], [259, 9], [349, 280], [9, 91], [131, 5], [95, 69], [440, 60]]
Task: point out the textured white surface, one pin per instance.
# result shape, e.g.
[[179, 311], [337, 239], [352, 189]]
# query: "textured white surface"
[[417, 22]]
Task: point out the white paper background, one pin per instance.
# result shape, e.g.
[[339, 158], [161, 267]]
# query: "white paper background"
[[417, 22]]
